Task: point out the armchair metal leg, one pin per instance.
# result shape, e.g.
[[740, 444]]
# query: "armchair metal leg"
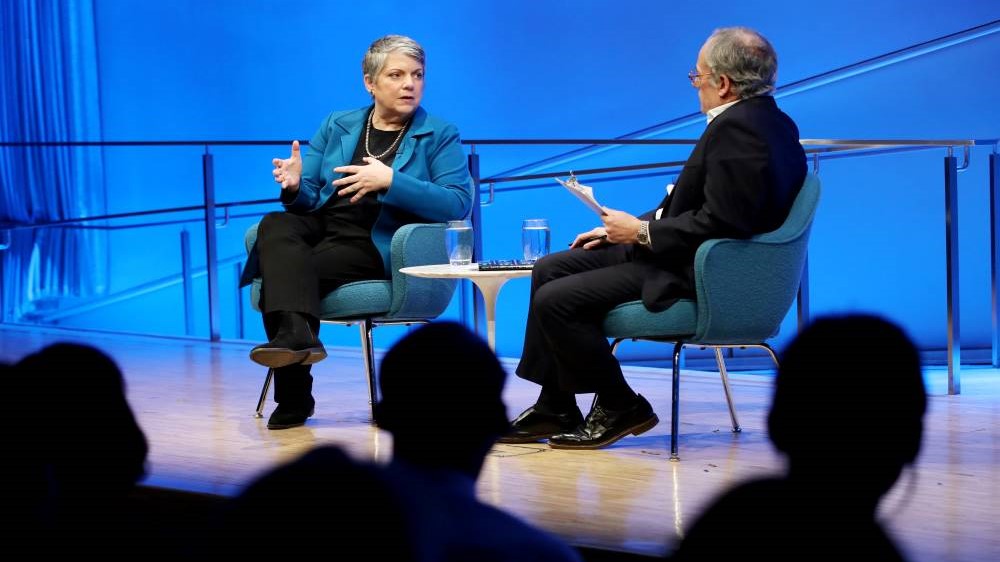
[[615, 344], [675, 401], [263, 393], [368, 351], [771, 353], [725, 386]]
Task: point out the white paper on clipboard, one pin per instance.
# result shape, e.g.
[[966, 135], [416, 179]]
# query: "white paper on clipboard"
[[583, 193]]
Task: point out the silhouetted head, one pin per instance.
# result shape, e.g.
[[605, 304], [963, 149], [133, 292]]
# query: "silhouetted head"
[[850, 399], [442, 385], [364, 517], [77, 424]]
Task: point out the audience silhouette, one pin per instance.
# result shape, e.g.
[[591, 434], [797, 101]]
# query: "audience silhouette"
[[847, 414], [323, 502], [848, 410], [443, 380], [77, 452]]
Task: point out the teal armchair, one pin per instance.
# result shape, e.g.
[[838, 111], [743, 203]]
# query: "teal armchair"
[[401, 300], [744, 289]]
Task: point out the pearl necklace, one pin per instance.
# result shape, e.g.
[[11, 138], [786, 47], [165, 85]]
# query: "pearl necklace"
[[371, 126]]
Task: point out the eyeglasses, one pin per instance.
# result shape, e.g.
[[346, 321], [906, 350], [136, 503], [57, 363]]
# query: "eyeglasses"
[[695, 77]]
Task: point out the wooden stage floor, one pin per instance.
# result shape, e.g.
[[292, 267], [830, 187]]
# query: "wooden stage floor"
[[195, 402]]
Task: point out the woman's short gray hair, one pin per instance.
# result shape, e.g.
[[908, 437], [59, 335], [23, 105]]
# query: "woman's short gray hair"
[[374, 61], [746, 57]]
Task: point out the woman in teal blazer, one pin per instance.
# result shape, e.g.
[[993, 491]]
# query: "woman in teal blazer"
[[367, 172]]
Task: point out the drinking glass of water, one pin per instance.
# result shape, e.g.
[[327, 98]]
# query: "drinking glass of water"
[[458, 242], [535, 239]]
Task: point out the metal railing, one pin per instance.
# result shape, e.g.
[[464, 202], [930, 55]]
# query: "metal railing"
[[816, 149]]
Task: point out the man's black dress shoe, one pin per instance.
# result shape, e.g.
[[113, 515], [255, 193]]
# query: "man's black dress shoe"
[[603, 426], [535, 424], [286, 416], [289, 347]]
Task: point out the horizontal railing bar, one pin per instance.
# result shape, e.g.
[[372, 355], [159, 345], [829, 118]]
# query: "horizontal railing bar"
[[154, 143], [148, 224], [804, 142], [512, 142], [885, 142], [824, 153], [62, 222], [546, 185], [853, 153], [826, 149], [22, 226], [577, 141], [585, 172], [247, 203]]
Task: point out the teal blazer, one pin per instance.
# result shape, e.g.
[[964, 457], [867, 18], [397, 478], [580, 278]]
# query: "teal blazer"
[[430, 179]]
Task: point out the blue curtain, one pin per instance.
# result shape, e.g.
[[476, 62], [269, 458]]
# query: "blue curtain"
[[49, 80]]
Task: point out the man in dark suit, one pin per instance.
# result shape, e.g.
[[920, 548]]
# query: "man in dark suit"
[[740, 180]]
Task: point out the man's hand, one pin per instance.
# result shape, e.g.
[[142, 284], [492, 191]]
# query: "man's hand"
[[373, 176], [288, 172], [622, 228], [590, 239]]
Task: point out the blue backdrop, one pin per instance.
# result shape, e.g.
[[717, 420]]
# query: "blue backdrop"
[[269, 69]]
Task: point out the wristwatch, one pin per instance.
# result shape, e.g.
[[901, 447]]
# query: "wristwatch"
[[643, 236]]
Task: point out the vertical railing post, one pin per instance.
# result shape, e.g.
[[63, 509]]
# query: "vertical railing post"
[[5, 242], [478, 313], [239, 301], [3, 303], [211, 250], [802, 302], [951, 265], [995, 250], [187, 282]]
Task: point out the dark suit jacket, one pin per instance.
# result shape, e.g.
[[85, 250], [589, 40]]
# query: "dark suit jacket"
[[740, 180]]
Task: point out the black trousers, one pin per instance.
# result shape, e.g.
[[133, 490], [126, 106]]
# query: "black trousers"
[[303, 257], [564, 344]]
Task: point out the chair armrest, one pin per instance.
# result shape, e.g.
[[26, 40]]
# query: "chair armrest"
[[415, 297]]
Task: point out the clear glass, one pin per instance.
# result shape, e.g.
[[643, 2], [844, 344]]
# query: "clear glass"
[[458, 242], [535, 239]]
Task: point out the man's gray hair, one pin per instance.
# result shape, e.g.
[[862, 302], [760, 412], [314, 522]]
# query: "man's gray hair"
[[374, 60], [746, 57]]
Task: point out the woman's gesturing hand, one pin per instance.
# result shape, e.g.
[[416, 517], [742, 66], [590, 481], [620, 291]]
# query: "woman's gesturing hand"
[[373, 176], [288, 172]]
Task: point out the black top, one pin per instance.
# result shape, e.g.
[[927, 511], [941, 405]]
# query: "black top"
[[348, 220]]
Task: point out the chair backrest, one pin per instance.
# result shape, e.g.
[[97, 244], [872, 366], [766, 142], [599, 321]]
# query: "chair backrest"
[[745, 287]]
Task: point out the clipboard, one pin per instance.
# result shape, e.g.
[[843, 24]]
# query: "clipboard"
[[582, 192]]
